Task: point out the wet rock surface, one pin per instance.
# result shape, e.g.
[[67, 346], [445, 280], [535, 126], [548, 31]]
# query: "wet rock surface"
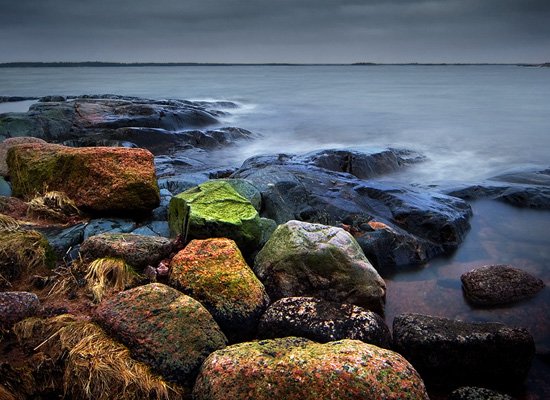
[[323, 321], [394, 224], [454, 352], [305, 259], [162, 327], [296, 368], [16, 306], [492, 285]]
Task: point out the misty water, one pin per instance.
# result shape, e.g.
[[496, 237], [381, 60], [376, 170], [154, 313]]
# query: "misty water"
[[471, 122]]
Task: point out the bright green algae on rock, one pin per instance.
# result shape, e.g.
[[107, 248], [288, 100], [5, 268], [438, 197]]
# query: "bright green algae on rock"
[[215, 209], [298, 369]]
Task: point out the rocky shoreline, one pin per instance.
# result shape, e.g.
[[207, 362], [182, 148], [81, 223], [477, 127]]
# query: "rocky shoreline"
[[124, 232]]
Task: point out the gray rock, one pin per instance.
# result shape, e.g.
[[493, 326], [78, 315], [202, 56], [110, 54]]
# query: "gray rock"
[[304, 259], [493, 285], [323, 321], [247, 190], [454, 352], [5, 188], [476, 393], [103, 225], [16, 306], [394, 224], [63, 239], [139, 251]]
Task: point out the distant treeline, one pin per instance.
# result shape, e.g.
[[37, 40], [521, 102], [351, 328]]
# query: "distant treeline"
[[191, 64]]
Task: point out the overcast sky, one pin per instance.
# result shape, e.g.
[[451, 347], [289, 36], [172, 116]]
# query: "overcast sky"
[[303, 31]]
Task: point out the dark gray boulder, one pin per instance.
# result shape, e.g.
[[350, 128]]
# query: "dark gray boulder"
[[394, 224], [454, 352], [322, 321], [476, 393], [493, 285]]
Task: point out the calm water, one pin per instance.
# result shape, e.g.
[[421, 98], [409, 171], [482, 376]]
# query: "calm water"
[[471, 121]]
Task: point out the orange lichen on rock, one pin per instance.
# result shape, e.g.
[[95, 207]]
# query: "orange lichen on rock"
[[97, 179], [378, 225]]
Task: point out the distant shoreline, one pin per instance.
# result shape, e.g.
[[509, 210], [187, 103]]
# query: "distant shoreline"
[[192, 64]]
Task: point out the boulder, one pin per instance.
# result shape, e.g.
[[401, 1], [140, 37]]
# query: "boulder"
[[395, 224], [492, 285], [215, 209], [9, 143], [477, 393], [138, 251], [323, 321], [63, 239], [304, 259], [97, 179], [163, 328], [455, 352], [296, 368], [16, 306], [214, 272]]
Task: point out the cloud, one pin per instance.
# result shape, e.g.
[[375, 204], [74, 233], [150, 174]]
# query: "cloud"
[[282, 30]]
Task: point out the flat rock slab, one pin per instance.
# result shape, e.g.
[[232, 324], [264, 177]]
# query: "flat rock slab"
[[16, 306], [162, 327], [454, 352], [492, 285], [323, 321], [138, 251], [298, 369]]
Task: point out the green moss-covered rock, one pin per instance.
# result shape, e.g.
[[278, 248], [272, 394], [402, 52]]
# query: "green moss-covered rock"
[[215, 209], [214, 272], [246, 189], [296, 368], [138, 251], [9, 143], [97, 179], [162, 327], [304, 259], [23, 252]]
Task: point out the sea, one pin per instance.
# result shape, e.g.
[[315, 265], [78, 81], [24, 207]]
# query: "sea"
[[471, 122]]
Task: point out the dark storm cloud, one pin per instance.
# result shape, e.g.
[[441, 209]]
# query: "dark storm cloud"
[[276, 30]]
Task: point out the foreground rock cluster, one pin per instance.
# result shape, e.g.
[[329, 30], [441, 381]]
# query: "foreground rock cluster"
[[117, 282]]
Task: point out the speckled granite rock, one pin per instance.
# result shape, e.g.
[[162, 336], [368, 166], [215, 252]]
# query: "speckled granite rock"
[[16, 306], [476, 393], [323, 321]]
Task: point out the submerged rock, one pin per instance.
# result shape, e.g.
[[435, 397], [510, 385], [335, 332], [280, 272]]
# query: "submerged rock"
[[215, 209], [164, 328], [296, 368], [138, 251], [97, 179], [492, 285], [304, 259], [214, 272], [394, 224], [323, 321], [455, 352], [16, 306]]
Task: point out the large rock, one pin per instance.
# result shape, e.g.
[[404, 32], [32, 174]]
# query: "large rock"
[[304, 259], [323, 321], [214, 272], [492, 285], [138, 251], [163, 328], [7, 144], [215, 209], [97, 179], [16, 306], [455, 352], [394, 224], [296, 368]]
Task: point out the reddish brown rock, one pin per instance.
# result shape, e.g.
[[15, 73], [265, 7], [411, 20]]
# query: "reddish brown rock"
[[97, 179], [214, 272], [163, 328], [298, 369], [16, 306]]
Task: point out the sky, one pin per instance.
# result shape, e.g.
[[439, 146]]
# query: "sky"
[[260, 31]]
